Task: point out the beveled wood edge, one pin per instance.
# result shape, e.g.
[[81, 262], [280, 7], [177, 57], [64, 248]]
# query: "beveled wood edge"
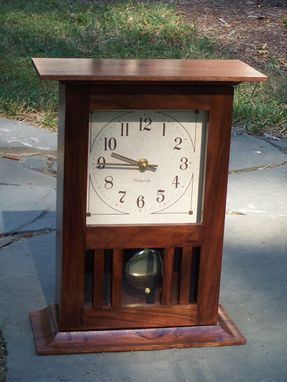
[[143, 70], [49, 340]]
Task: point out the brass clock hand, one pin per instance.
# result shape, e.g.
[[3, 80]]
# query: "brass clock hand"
[[142, 163]]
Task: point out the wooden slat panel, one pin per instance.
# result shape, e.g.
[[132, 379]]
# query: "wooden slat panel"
[[140, 317], [167, 276], [185, 274], [117, 278], [98, 277]]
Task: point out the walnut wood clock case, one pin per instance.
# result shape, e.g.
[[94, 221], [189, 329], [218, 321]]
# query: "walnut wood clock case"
[[143, 150]]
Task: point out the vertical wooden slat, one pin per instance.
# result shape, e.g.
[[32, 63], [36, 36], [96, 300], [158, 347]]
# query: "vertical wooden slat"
[[117, 278], [167, 276], [71, 204], [98, 277], [185, 275], [214, 205]]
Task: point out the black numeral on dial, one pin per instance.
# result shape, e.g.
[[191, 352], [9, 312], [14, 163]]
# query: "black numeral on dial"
[[144, 123], [176, 182], [123, 194], [140, 201], [178, 142], [101, 162], [184, 163], [110, 144], [124, 129], [109, 182], [160, 196]]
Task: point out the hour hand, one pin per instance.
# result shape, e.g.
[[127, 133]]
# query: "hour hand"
[[141, 163], [123, 158]]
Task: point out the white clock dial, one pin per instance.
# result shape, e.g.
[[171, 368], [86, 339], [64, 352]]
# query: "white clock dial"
[[145, 166]]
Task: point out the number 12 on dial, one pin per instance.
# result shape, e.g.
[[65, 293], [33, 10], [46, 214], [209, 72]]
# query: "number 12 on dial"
[[146, 166]]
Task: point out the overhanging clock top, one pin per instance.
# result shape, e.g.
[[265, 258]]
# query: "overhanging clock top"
[[146, 70]]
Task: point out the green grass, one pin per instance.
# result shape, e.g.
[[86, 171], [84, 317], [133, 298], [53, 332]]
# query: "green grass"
[[263, 107], [101, 29]]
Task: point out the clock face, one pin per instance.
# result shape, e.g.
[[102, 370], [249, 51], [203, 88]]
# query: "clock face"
[[146, 166]]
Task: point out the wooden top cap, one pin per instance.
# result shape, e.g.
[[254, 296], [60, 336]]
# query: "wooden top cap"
[[146, 70]]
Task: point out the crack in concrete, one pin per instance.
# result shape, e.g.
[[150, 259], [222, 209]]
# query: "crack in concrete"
[[275, 144], [257, 168], [9, 184], [20, 152], [9, 238]]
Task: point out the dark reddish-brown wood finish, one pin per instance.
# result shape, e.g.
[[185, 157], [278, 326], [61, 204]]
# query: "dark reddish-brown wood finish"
[[98, 279], [49, 340], [77, 69], [89, 85], [71, 204]]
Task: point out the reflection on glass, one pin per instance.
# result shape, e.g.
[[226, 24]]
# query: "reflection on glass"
[[142, 276]]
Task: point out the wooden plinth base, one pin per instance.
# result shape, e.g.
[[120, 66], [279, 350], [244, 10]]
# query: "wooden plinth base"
[[49, 340]]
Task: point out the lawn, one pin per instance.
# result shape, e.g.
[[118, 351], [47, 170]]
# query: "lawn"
[[110, 29]]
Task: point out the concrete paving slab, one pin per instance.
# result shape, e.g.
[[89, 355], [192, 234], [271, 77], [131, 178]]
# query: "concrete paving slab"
[[259, 192], [27, 189], [248, 151], [20, 134], [24, 195], [14, 174], [23, 206], [46, 164]]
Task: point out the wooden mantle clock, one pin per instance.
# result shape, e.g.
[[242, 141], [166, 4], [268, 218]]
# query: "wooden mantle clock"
[[143, 152]]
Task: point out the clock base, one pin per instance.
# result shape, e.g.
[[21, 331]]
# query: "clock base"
[[49, 340]]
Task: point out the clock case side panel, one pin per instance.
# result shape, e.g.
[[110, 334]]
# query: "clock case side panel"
[[214, 206], [71, 204]]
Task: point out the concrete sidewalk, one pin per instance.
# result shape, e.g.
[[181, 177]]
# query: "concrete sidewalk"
[[254, 281]]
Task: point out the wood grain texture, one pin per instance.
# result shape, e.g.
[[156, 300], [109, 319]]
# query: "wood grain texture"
[[151, 316], [117, 278], [167, 276], [144, 236], [185, 275], [77, 69], [71, 204], [219, 134], [152, 97], [98, 279], [49, 340]]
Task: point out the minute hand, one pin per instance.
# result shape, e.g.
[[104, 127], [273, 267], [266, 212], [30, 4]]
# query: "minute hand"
[[142, 163]]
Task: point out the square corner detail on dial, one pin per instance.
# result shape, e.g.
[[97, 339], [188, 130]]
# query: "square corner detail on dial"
[[146, 166]]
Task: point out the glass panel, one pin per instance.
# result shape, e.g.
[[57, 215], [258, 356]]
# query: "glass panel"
[[142, 276], [146, 166]]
